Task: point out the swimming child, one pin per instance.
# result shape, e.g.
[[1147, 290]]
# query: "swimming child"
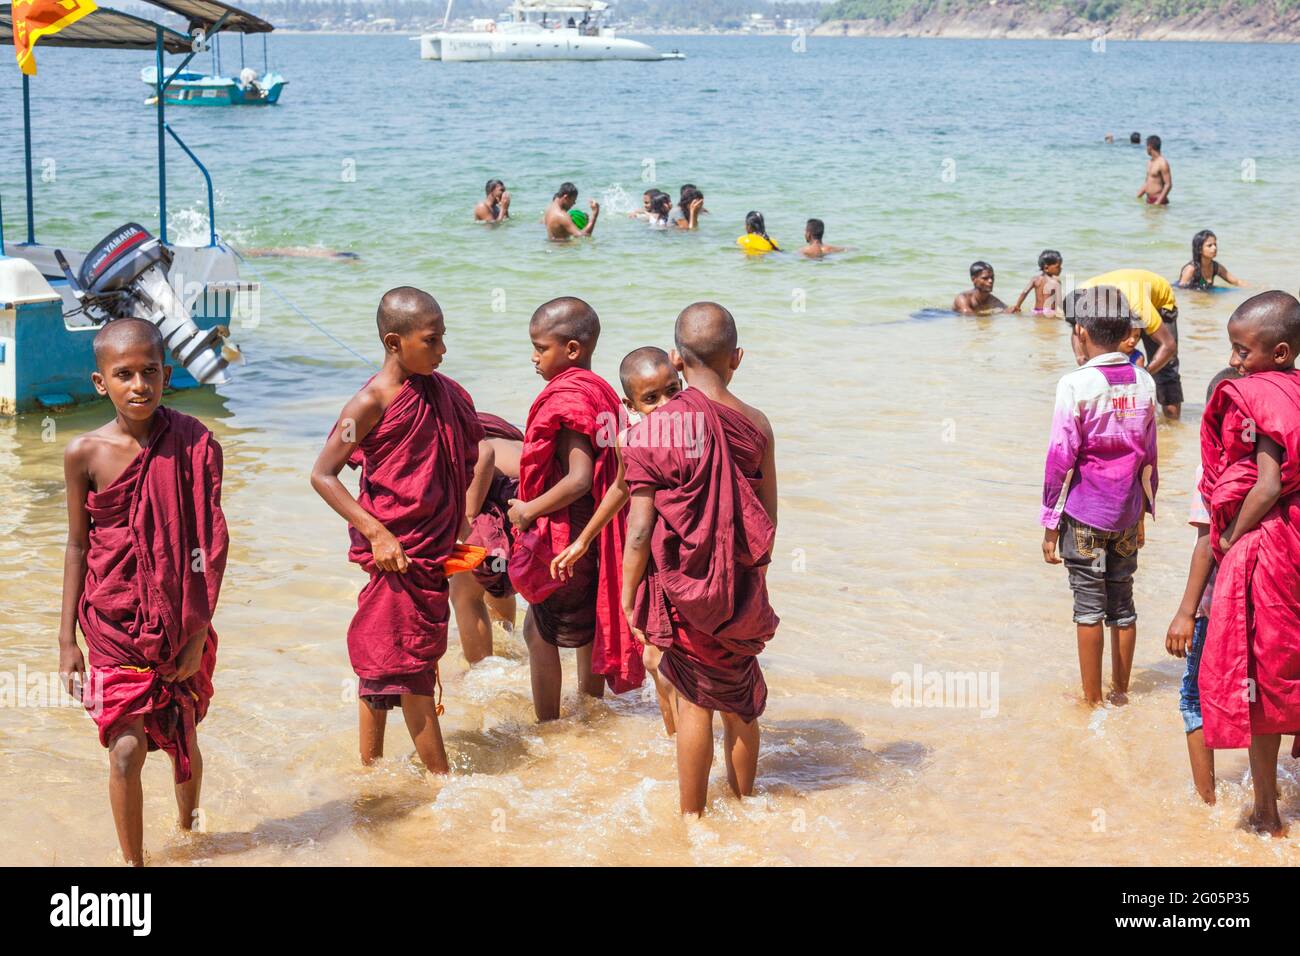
[[756, 241], [649, 381], [1204, 268], [558, 219], [1186, 634], [1099, 481], [812, 235], [1046, 285], [424, 467], [567, 465], [699, 541], [979, 299], [661, 207], [146, 553], [1250, 453]]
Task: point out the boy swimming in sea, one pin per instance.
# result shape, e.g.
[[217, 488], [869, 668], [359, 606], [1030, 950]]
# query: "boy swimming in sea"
[[1046, 286], [649, 382], [812, 235], [495, 205], [558, 219], [979, 299], [147, 545], [1099, 481]]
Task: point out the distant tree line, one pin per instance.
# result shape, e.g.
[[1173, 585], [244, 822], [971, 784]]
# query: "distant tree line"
[[722, 14], [1095, 10]]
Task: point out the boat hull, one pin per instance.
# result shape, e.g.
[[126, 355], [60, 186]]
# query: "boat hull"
[[546, 45], [45, 361], [198, 89]]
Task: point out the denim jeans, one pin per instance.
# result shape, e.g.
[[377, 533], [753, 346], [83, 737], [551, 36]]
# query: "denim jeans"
[[1189, 699]]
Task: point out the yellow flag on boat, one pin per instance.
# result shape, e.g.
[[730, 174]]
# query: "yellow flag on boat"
[[34, 19]]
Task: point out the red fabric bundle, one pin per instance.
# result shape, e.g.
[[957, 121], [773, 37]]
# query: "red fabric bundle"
[[491, 528]]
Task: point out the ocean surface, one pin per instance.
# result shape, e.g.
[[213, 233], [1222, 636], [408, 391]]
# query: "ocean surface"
[[910, 452]]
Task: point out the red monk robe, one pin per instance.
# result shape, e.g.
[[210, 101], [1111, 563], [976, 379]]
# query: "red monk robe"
[[491, 528], [1254, 630], [704, 597], [157, 554], [416, 465], [588, 606]]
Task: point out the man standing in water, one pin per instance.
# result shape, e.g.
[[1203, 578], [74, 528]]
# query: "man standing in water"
[[1151, 298], [559, 221], [1159, 179], [495, 205]]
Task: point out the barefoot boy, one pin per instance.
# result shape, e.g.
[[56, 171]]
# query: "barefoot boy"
[[568, 463], [424, 466], [1250, 454], [979, 298], [649, 381], [146, 552], [1186, 634], [487, 593], [702, 472], [1099, 481], [1160, 179]]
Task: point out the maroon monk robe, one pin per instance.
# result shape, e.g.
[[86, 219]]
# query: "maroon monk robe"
[[157, 555], [416, 466], [704, 597], [587, 607], [1250, 667], [491, 528]]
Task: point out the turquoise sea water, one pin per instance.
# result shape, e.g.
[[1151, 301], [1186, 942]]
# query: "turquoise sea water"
[[910, 453]]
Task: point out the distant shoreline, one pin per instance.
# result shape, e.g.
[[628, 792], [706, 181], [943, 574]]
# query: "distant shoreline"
[[1040, 27]]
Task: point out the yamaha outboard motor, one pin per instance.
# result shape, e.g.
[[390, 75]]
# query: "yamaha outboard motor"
[[126, 276]]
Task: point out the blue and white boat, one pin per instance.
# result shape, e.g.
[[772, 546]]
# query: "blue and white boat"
[[195, 88], [53, 300]]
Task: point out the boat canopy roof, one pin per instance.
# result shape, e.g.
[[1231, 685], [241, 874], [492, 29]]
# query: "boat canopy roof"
[[205, 13], [104, 28]]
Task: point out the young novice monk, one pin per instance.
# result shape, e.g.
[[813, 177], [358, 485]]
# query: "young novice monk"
[[1099, 482], [486, 593], [568, 463], [702, 472], [649, 381], [1250, 454], [1186, 634], [424, 467], [146, 553]]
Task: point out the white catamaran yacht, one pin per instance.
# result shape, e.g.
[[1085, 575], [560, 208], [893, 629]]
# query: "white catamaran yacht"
[[539, 30]]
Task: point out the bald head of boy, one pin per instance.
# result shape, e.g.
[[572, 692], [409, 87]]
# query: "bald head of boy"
[[1265, 333], [412, 328], [131, 366], [705, 336], [649, 379], [564, 333]]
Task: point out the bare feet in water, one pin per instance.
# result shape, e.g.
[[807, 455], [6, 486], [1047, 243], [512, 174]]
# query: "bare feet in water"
[[1266, 823]]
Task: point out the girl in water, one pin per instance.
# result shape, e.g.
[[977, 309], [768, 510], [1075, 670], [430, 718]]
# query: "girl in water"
[[756, 241], [661, 208], [689, 208], [1202, 270]]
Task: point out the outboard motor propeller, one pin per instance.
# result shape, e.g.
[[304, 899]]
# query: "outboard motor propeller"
[[126, 276]]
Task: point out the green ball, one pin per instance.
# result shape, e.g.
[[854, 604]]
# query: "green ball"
[[579, 218]]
